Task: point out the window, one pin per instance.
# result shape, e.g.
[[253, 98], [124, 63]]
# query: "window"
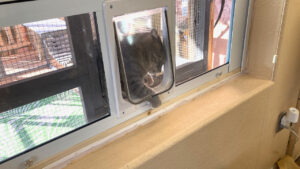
[[51, 83], [203, 45], [60, 86], [35, 123], [33, 49], [203, 30]]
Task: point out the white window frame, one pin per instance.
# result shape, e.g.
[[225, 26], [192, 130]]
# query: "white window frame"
[[123, 107], [16, 13]]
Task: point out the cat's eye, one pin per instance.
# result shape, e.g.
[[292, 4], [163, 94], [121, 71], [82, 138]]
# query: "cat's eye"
[[141, 26]]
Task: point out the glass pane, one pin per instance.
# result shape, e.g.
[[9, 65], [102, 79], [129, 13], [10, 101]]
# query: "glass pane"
[[31, 49], [27, 126], [200, 45], [144, 57], [221, 34], [37, 111], [187, 50]]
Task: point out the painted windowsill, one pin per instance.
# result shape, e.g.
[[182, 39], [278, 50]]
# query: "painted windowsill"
[[140, 145]]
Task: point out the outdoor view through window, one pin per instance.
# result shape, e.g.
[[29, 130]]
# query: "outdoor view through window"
[[50, 85], [45, 92], [200, 45]]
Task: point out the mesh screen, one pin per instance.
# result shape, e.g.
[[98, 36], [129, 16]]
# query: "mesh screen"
[[33, 49], [35, 123], [39, 48], [189, 25], [186, 43]]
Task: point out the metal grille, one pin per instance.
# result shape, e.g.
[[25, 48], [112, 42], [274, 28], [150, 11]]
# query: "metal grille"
[[31, 49]]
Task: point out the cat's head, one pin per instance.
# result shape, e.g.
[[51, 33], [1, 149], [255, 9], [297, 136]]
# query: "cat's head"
[[149, 51], [157, 53], [152, 57]]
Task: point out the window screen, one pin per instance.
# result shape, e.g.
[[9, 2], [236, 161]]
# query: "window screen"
[[52, 81], [25, 127], [202, 36], [144, 56], [32, 49]]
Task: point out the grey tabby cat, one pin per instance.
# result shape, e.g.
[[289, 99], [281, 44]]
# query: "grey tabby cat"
[[143, 60]]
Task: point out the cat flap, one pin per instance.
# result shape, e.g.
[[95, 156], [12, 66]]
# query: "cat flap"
[[144, 55]]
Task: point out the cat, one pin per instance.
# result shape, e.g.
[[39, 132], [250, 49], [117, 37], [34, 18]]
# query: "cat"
[[144, 57]]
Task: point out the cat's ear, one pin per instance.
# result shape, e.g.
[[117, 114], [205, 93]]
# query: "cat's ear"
[[154, 33]]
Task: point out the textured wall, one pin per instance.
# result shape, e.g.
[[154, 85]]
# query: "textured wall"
[[263, 41], [285, 90], [290, 46]]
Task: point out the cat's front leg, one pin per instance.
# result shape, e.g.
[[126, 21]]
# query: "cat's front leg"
[[155, 101]]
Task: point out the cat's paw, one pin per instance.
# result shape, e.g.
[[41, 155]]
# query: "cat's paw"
[[155, 101]]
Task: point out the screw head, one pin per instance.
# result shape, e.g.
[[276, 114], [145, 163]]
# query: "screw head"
[[28, 163], [219, 74]]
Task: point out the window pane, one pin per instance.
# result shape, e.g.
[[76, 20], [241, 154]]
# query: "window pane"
[[201, 46], [188, 49], [39, 110], [221, 34], [144, 56], [27, 126], [33, 49]]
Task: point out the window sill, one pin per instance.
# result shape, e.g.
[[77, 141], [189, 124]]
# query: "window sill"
[[137, 147]]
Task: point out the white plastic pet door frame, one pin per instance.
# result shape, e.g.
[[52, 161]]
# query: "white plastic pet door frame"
[[114, 9], [149, 26]]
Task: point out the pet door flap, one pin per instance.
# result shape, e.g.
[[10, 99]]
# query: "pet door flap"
[[145, 60]]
